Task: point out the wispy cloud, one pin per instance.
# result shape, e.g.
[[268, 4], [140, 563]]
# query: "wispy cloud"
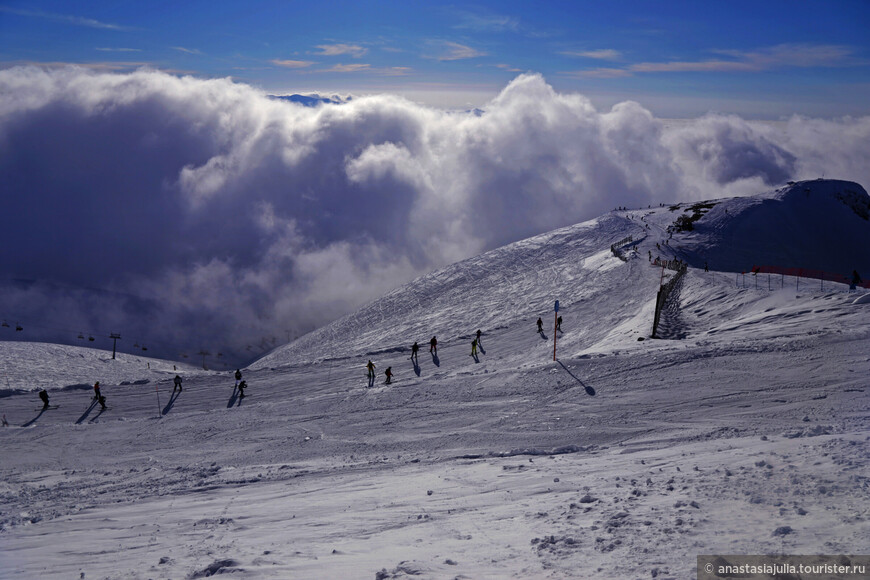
[[348, 68], [188, 50], [486, 22], [508, 68], [779, 56], [601, 54], [107, 66], [67, 18], [353, 50], [292, 63], [106, 49], [395, 71], [456, 51]]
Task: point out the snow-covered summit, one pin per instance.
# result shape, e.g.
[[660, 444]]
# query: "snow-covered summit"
[[819, 225]]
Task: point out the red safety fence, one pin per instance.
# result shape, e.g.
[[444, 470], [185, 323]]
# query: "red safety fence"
[[807, 273]]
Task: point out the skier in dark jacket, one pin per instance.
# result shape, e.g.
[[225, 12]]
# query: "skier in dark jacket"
[[559, 324], [389, 373], [433, 345], [242, 386], [238, 376], [97, 394], [43, 394], [540, 325], [177, 384], [414, 350]]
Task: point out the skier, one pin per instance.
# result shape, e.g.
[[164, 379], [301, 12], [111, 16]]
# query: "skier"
[[540, 325], [43, 394], [242, 386], [856, 279], [559, 324], [474, 348], [389, 373], [414, 348], [706, 268], [478, 336], [433, 345], [97, 391], [177, 384], [102, 401], [238, 376], [5, 422], [371, 368]]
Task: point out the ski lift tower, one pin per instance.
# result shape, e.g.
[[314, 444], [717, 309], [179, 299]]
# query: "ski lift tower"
[[114, 336]]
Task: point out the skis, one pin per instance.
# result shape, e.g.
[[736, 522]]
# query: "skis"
[[49, 407]]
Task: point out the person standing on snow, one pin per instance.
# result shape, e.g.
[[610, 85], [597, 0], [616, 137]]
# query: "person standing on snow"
[[540, 326], [43, 394], [97, 394], [474, 348], [389, 373], [238, 376], [177, 384], [414, 348], [371, 368], [559, 324], [856, 279], [242, 386], [433, 345]]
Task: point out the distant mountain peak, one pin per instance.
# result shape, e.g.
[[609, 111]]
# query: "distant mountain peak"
[[313, 99]]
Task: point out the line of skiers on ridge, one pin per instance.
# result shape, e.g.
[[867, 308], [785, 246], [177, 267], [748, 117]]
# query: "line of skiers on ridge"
[[101, 399], [433, 349]]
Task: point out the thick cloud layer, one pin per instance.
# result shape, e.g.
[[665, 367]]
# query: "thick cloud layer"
[[203, 214]]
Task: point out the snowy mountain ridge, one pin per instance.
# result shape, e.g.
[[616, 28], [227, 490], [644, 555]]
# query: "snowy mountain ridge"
[[806, 224]]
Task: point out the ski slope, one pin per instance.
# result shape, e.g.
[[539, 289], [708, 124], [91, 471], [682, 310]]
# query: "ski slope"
[[745, 431]]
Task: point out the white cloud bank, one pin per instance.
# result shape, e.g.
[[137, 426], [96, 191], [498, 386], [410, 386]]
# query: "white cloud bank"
[[238, 217]]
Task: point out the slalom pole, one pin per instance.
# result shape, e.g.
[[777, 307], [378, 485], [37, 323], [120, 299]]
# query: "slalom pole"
[[555, 327]]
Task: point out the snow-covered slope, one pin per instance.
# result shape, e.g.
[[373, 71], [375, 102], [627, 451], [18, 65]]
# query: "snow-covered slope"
[[30, 366], [745, 431]]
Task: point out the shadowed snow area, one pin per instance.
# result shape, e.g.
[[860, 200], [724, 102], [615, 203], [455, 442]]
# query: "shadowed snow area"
[[624, 458]]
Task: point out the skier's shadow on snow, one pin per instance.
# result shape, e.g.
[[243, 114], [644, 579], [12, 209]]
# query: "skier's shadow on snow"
[[87, 412], [171, 402], [232, 400], [435, 359], [544, 336], [474, 356], [416, 366], [32, 421], [97, 416], [480, 348], [589, 390]]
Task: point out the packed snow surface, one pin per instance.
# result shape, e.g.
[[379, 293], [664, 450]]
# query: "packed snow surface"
[[624, 458]]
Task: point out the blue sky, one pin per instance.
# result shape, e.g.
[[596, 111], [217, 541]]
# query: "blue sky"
[[759, 59]]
